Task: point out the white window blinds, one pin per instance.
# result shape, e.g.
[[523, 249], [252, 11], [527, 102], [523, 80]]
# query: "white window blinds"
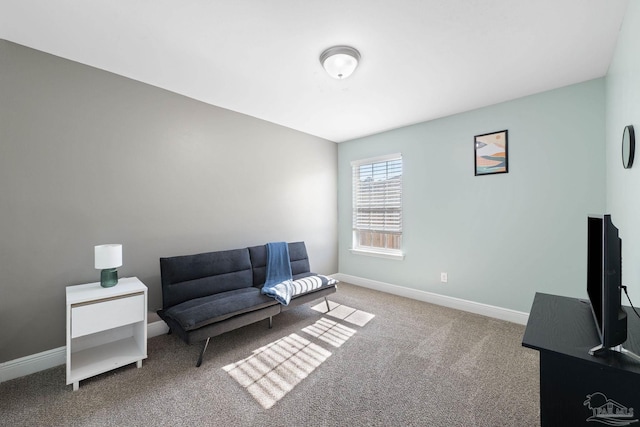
[[377, 202]]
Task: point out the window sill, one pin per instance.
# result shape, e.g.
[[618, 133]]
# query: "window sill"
[[398, 256]]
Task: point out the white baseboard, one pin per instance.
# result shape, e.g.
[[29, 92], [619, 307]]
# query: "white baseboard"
[[155, 329], [48, 359], [34, 363], [451, 302]]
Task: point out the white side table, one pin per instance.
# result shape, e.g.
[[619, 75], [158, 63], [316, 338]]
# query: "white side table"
[[106, 328]]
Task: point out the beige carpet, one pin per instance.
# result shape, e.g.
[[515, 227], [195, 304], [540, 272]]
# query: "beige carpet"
[[374, 360]]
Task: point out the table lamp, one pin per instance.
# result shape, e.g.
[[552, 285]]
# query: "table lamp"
[[107, 259]]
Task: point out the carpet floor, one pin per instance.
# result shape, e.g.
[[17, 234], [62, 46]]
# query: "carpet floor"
[[374, 360]]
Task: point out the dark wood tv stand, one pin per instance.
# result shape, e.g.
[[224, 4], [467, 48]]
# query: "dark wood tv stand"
[[576, 388]]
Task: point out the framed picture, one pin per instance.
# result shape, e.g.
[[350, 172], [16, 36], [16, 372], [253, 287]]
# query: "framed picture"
[[491, 153]]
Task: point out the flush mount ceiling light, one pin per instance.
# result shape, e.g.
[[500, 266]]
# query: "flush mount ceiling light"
[[340, 61]]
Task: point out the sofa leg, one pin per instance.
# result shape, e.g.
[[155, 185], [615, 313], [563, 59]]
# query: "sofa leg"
[[169, 333], [270, 322], [204, 348], [327, 301]]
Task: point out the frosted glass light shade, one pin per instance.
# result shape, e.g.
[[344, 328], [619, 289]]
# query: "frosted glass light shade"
[[340, 61], [108, 256]]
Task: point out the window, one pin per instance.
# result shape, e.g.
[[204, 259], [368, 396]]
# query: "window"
[[377, 206]]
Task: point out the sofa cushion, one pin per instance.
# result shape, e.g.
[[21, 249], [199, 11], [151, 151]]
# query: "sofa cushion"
[[193, 276], [199, 312]]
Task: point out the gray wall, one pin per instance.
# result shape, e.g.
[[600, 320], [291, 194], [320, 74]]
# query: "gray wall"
[[501, 237], [88, 157], [623, 108]]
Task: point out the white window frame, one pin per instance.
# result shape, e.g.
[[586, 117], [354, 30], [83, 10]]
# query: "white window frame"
[[356, 248]]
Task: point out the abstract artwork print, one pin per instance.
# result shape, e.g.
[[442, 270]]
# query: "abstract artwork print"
[[491, 153]]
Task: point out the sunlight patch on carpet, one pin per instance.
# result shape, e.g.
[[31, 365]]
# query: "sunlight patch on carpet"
[[330, 332], [275, 369], [342, 312]]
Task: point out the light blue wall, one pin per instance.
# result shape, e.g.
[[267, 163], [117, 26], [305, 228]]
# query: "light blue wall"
[[623, 108], [501, 237]]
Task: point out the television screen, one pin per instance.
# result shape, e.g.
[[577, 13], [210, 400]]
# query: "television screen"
[[604, 280]]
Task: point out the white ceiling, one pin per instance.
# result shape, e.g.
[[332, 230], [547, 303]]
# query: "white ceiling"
[[421, 59]]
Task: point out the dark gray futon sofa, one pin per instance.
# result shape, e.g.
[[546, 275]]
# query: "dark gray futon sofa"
[[208, 294]]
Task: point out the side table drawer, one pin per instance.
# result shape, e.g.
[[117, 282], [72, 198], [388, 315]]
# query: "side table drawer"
[[106, 314]]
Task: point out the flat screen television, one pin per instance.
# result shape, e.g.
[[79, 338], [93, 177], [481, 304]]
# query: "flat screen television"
[[604, 283]]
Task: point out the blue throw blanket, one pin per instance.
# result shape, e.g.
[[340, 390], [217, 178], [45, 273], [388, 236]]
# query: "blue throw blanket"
[[279, 279]]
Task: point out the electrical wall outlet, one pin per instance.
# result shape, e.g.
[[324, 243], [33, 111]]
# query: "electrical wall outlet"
[[443, 277]]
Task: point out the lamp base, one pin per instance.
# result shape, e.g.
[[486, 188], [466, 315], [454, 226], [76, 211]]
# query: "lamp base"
[[108, 277]]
